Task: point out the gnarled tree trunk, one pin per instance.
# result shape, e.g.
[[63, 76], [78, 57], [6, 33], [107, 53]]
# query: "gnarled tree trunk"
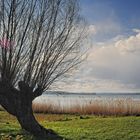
[[28, 122], [19, 104]]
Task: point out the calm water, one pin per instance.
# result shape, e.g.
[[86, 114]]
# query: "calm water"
[[94, 96], [77, 98]]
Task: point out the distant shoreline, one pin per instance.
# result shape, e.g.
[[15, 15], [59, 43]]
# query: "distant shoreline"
[[83, 93]]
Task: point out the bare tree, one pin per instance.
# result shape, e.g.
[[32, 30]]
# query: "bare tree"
[[39, 42]]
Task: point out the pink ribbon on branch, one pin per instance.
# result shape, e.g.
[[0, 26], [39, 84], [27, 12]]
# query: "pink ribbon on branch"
[[6, 43]]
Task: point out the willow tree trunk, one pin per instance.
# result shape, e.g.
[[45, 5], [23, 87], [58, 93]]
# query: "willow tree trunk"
[[19, 104], [27, 120]]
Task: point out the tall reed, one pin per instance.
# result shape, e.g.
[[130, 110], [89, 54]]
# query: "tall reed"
[[100, 106]]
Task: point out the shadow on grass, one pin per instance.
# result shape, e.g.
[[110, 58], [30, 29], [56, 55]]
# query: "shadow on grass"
[[24, 135]]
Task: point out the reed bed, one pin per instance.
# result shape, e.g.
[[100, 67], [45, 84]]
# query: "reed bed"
[[99, 106]]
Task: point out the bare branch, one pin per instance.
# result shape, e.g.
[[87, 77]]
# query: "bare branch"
[[40, 40]]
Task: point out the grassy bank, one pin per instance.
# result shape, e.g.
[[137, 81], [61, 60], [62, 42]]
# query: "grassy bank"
[[74, 127]]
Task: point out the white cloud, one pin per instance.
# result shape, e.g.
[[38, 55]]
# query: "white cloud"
[[92, 29], [118, 61], [110, 66], [136, 30], [130, 44]]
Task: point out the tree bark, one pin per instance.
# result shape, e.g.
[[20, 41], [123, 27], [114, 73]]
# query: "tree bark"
[[29, 123], [19, 104]]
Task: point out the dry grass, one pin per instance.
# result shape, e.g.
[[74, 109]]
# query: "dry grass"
[[99, 106]]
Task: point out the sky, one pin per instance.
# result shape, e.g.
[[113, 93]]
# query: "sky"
[[113, 63]]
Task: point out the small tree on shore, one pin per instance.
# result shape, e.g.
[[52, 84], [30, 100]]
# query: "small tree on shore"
[[39, 42]]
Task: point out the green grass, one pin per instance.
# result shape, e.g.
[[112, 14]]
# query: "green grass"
[[74, 127]]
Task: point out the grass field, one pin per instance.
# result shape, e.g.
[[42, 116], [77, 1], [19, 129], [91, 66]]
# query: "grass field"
[[75, 127]]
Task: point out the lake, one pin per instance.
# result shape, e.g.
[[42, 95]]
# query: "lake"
[[68, 98]]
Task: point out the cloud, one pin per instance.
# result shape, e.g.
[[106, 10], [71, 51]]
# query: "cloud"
[[105, 30], [111, 66], [92, 29], [117, 61], [83, 82], [136, 30], [130, 44]]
